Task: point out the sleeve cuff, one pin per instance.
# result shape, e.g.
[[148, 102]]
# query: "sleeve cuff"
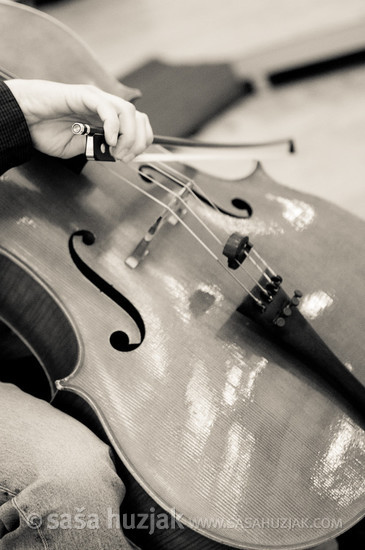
[[15, 140]]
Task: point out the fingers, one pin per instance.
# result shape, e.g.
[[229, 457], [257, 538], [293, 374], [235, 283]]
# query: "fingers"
[[130, 133], [127, 131], [136, 136]]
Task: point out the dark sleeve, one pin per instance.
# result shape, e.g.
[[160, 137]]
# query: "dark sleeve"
[[15, 140]]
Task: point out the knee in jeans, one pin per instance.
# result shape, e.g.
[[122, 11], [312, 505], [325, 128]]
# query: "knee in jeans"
[[88, 479]]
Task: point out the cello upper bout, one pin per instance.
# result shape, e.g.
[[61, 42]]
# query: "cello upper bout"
[[25, 29]]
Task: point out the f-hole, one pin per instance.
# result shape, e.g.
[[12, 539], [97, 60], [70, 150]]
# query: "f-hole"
[[119, 340]]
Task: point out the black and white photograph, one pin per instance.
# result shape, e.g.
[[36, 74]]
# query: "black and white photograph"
[[182, 274]]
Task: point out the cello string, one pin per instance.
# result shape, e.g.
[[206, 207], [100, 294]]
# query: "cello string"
[[185, 186], [186, 226], [206, 197], [214, 206], [264, 262], [199, 219]]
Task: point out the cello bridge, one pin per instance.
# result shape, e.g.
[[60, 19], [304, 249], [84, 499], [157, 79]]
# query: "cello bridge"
[[173, 212]]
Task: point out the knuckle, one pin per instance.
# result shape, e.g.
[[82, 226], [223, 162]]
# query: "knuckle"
[[126, 107], [143, 118], [130, 108]]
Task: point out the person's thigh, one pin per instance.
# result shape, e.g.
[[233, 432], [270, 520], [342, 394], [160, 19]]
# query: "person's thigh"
[[58, 485]]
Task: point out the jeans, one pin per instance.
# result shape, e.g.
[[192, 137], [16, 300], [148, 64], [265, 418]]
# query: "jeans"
[[58, 486]]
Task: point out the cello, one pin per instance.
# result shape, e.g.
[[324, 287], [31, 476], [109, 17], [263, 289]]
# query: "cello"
[[212, 415]]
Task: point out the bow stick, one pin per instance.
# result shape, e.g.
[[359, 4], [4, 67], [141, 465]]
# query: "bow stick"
[[98, 149]]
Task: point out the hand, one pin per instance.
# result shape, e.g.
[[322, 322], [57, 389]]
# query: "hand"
[[50, 109]]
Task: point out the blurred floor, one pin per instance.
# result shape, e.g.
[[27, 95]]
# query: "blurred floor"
[[325, 115], [124, 33]]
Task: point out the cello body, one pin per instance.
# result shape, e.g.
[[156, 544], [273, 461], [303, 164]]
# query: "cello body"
[[220, 424]]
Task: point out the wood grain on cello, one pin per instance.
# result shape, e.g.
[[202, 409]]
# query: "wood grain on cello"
[[215, 419]]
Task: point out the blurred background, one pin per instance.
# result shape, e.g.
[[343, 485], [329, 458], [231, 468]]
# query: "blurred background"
[[254, 70]]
